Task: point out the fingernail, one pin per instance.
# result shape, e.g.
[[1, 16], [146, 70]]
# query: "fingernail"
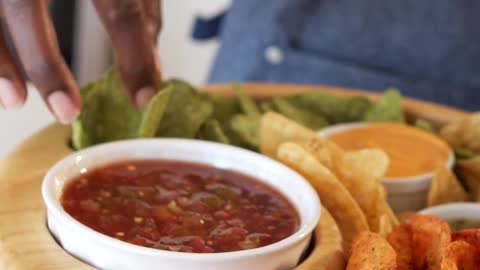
[[9, 96], [143, 97], [63, 107]]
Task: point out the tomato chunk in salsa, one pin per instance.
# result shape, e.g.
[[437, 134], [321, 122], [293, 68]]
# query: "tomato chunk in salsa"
[[179, 206]]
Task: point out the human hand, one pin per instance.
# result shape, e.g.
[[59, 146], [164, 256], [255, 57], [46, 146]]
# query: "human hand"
[[132, 25]]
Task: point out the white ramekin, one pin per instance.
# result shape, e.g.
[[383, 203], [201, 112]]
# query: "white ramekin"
[[452, 211], [404, 193], [109, 253]]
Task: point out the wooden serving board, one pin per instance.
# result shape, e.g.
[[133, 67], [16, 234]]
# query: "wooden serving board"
[[25, 242]]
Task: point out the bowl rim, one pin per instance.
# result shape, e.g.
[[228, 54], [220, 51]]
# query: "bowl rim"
[[53, 206], [458, 207], [414, 179]]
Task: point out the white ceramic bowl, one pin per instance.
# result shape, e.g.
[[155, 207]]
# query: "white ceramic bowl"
[[404, 193], [454, 211], [108, 253]]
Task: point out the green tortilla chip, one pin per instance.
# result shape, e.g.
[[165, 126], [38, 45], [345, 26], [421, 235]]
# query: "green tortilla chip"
[[180, 84], [267, 106], [212, 131], [355, 109], [461, 153], [247, 128], [387, 109], [224, 110], [332, 108], [81, 138], [424, 125], [248, 106], [154, 114], [185, 113], [107, 114], [306, 118], [180, 111]]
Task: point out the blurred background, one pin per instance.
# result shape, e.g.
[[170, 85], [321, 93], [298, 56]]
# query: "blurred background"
[[86, 49], [427, 50]]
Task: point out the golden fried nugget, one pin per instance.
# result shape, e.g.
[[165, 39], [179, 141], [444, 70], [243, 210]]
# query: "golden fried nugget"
[[430, 237], [460, 255], [470, 236], [370, 251], [401, 241]]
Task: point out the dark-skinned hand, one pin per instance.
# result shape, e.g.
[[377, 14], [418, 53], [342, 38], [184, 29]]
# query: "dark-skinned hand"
[[132, 25]]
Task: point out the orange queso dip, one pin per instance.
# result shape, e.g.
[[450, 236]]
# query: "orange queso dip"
[[411, 151]]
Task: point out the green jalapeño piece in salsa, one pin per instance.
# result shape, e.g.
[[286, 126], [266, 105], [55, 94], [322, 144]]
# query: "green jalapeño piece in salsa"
[[180, 206]]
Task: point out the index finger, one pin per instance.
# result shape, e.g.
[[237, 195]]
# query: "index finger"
[[125, 22], [153, 17], [34, 38]]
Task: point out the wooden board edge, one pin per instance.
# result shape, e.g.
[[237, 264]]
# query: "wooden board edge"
[[39, 152]]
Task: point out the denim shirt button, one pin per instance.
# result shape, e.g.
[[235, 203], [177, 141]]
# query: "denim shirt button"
[[274, 55]]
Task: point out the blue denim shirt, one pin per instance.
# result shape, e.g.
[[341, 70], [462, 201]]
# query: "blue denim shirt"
[[429, 49]]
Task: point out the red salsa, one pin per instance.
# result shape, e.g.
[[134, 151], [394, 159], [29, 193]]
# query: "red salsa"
[[180, 206]]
